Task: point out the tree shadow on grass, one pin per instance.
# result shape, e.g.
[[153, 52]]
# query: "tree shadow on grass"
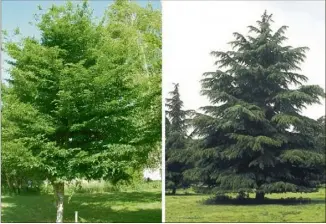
[[183, 194], [140, 197], [110, 215], [225, 200], [115, 207]]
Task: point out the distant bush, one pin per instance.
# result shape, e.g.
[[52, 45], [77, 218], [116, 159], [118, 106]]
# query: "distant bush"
[[242, 195], [202, 189], [323, 186], [101, 186], [22, 187]]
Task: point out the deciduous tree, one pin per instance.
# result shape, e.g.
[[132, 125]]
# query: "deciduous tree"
[[80, 103]]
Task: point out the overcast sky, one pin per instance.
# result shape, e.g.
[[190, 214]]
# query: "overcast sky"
[[192, 29]]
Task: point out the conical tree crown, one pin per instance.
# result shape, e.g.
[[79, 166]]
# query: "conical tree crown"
[[254, 135], [176, 140], [175, 112]]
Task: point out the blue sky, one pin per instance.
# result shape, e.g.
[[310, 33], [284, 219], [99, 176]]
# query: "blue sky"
[[20, 13]]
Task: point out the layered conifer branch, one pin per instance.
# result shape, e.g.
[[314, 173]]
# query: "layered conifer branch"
[[253, 126]]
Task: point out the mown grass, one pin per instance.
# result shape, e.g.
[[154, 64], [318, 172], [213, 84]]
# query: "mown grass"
[[134, 205], [190, 208]]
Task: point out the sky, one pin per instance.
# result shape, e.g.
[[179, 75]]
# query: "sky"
[[192, 29]]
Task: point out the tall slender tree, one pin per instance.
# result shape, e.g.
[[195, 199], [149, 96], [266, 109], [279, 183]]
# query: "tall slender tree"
[[254, 136], [176, 140]]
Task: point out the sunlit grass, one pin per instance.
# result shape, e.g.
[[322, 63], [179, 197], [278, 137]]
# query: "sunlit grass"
[[126, 206], [190, 208]]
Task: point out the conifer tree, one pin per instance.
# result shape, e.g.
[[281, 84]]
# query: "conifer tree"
[[176, 139], [321, 135], [254, 136]]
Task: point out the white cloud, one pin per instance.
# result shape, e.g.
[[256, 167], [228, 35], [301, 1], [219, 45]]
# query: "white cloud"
[[192, 29]]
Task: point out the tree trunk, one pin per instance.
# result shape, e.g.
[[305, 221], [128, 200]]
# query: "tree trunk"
[[260, 196], [59, 197], [16, 185], [174, 190], [10, 187], [20, 185]]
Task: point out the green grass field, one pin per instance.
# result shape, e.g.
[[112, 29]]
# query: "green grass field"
[[125, 206], [190, 208]]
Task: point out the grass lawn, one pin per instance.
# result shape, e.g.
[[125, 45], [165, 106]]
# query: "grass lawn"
[[189, 208], [92, 207]]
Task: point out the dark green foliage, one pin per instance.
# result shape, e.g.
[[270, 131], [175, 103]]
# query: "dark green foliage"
[[176, 140], [253, 135], [321, 135]]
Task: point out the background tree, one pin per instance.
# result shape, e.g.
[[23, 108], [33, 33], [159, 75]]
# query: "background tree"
[[176, 140], [321, 134], [254, 136], [139, 29], [75, 104], [321, 141]]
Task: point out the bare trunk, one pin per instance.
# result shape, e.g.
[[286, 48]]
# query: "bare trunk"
[[260, 196], [59, 197]]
